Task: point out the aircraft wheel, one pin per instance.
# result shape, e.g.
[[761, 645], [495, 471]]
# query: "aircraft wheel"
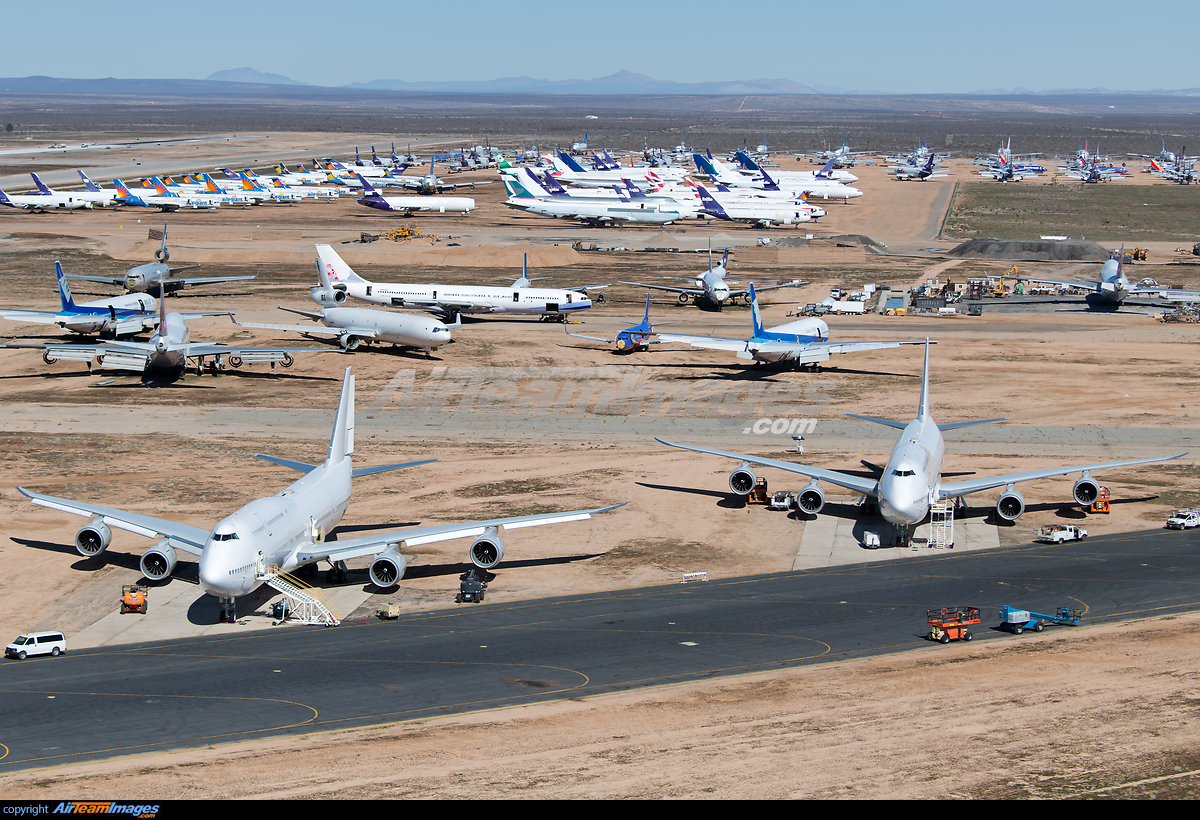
[[599, 298]]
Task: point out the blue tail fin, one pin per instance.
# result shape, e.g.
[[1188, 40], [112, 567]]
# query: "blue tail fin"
[[40, 185], [710, 204], [87, 183], [64, 290], [570, 162], [747, 162], [704, 166], [755, 313]]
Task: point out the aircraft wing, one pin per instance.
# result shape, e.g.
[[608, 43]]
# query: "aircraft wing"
[[1167, 293], [374, 544], [183, 536], [693, 291], [866, 486], [192, 350], [976, 485], [585, 336], [45, 317], [708, 342], [795, 283], [204, 280], [321, 330], [108, 280]]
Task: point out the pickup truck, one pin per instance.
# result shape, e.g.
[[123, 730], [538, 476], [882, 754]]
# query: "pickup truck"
[[1058, 533], [1184, 519]]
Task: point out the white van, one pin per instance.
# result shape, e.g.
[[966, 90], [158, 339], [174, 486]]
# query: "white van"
[[36, 643]]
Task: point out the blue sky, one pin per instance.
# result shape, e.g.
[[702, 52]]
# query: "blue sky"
[[892, 47]]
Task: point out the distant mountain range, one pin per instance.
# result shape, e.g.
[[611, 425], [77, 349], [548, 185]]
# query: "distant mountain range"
[[620, 83]]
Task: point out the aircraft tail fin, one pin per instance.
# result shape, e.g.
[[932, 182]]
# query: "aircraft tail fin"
[[341, 443], [368, 189], [64, 290], [710, 204], [755, 312], [923, 409], [705, 166], [87, 183], [747, 163], [570, 162], [335, 267], [41, 186], [827, 171]]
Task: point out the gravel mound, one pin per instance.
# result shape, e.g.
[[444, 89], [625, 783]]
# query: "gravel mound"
[[1031, 250]]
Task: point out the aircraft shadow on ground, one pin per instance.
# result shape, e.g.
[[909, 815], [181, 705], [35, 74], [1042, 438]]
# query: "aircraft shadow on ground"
[[187, 572], [457, 569], [691, 490], [353, 528]]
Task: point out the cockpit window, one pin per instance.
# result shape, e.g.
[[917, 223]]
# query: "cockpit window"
[[225, 536], [904, 472]]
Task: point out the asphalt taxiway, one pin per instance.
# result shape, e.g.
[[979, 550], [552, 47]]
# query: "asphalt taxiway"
[[152, 697]]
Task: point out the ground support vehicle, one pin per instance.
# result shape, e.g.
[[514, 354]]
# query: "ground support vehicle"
[[472, 589], [1017, 621], [781, 500], [1184, 519], [36, 643], [135, 598], [1058, 533], [950, 623]]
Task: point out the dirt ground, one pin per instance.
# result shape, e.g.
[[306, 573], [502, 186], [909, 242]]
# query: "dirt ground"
[[1085, 711]]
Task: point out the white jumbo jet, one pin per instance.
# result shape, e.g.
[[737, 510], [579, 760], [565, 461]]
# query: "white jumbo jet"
[[448, 300], [912, 479], [286, 531]]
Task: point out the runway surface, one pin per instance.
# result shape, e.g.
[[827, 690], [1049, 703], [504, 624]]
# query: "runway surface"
[[141, 698]]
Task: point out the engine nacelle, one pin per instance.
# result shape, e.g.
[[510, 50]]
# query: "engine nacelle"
[[328, 296], [742, 480], [487, 549], [811, 499], [93, 539], [387, 569], [1010, 505], [1086, 490], [159, 561]]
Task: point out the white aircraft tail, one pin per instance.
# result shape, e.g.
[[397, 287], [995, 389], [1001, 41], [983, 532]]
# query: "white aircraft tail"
[[341, 444], [335, 267], [923, 409]]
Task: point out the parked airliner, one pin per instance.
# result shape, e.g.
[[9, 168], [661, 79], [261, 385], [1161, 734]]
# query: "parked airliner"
[[286, 531], [912, 479]]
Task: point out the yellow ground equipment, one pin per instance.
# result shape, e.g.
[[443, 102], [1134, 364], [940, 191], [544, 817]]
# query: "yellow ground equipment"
[[759, 494], [134, 598]]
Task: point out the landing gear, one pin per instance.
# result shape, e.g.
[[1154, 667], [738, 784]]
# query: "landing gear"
[[904, 536], [336, 574], [228, 611]]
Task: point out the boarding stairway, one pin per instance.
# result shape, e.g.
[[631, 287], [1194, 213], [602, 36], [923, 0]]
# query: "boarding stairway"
[[941, 525], [304, 602]]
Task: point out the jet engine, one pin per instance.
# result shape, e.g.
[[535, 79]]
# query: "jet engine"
[[811, 499], [742, 480], [159, 561], [1086, 490], [334, 295], [162, 254], [388, 568], [1010, 505], [93, 539], [487, 549]]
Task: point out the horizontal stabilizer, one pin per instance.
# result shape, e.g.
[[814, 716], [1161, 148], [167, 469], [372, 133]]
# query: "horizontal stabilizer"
[[899, 425], [386, 467], [283, 462], [966, 424]]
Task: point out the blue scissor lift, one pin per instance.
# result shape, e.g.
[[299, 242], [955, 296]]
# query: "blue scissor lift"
[[1017, 621]]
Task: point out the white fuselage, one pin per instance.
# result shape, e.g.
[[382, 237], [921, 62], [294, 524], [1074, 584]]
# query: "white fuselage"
[[48, 202], [398, 328], [96, 317], [269, 532], [1114, 286], [658, 213], [910, 480], [467, 299], [424, 204]]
